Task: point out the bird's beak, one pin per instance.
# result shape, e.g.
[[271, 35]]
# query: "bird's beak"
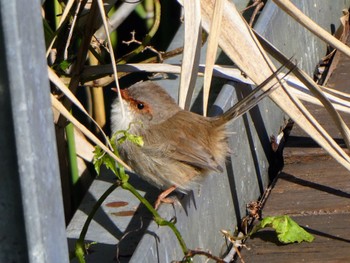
[[123, 92]]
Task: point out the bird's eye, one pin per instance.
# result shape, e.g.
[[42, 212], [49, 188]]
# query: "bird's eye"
[[140, 106]]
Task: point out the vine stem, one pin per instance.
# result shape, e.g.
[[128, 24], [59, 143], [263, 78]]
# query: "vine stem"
[[80, 244], [80, 249], [122, 180], [157, 218]]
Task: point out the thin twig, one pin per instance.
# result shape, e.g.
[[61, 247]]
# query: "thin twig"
[[75, 17], [125, 235], [81, 57], [193, 252], [147, 38], [63, 19], [255, 12], [111, 53], [151, 48]]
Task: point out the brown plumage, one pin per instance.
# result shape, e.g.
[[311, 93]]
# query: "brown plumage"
[[179, 146]]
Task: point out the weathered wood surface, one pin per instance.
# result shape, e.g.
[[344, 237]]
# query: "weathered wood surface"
[[315, 191]]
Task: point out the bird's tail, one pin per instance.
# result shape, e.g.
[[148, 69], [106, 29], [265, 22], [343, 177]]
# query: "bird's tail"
[[254, 98]]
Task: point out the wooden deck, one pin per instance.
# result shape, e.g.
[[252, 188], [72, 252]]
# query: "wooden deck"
[[315, 191]]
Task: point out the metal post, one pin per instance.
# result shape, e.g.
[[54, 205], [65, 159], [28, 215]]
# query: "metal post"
[[32, 227]]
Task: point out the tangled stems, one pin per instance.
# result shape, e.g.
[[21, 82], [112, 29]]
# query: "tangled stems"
[[80, 246], [157, 218], [100, 157]]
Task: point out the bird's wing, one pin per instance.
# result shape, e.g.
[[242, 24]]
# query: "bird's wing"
[[187, 145], [196, 155]]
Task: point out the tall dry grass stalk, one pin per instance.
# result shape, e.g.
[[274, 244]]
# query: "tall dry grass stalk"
[[234, 36]]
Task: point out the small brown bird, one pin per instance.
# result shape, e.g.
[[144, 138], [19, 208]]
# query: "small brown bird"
[[179, 146]]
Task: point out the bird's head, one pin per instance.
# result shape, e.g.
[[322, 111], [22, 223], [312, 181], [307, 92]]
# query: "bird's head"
[[146, 103]]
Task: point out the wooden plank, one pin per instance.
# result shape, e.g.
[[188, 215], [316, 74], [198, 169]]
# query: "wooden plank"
[[331, 244], [311, 186], [315, 192]]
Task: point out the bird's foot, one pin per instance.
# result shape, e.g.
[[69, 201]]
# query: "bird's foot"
[[163, 197]]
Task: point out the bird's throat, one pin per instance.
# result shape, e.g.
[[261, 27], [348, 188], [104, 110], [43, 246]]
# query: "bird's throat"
[[118, 121]]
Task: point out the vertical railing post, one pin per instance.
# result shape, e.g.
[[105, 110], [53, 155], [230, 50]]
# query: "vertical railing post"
[[32, 227]]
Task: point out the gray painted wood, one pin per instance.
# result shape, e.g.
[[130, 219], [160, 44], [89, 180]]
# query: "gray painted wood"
[[219, 202], [32, 227]]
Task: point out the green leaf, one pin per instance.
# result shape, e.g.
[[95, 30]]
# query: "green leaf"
[[48, 32], [88, 245], [126, 135], [65, 65], [288, 231], [100, 157], [110, 163], [138, 140]]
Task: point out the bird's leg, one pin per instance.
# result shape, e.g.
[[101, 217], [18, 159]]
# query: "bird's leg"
[[162, 198]]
